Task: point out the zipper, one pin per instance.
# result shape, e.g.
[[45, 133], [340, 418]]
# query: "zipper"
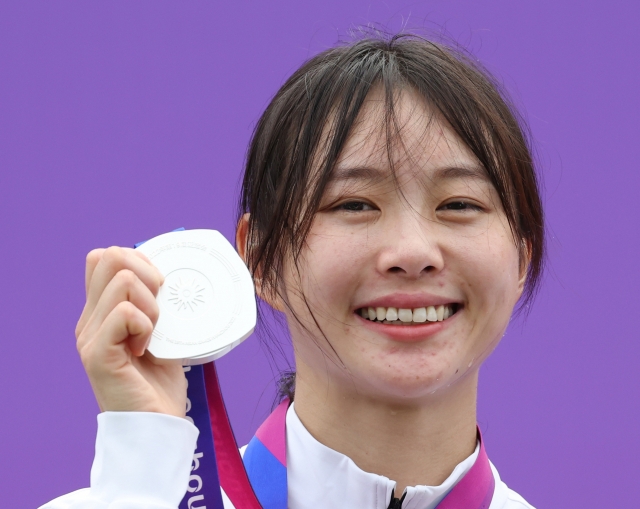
[[396, 503]]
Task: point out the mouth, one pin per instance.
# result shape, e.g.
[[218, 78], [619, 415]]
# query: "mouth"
[[409, 316]]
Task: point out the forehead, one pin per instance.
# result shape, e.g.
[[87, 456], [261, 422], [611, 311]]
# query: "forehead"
[[414, 139]]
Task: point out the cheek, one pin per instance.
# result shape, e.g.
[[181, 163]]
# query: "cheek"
[[489, 269], [333, 266], [481, 269], [491, 276]]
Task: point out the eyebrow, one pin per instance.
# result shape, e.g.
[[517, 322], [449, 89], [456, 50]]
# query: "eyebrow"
[[376, 175], [461, 172], [373, 175]]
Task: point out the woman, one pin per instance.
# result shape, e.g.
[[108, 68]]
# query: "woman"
[[390, 211]]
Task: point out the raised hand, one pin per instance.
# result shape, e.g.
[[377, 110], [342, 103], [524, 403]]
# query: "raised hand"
[[114, 330]]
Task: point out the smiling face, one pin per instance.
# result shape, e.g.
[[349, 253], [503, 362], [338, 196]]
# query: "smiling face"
[[410, 271]]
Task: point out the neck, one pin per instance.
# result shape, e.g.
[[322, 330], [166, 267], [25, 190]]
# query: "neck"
[[411, 443]]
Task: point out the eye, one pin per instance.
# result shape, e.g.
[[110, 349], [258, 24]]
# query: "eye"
[[460, 205], [355, 206]]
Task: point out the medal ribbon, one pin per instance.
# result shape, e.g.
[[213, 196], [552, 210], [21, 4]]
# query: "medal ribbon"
[[475, 489]]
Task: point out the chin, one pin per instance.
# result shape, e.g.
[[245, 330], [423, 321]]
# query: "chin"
[[408, 387]]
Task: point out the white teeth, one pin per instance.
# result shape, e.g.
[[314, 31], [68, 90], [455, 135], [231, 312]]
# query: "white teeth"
[[397, 316], [420, 315], [405, 315]]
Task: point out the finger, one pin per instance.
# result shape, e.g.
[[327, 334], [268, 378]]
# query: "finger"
[[111, 261], [141, 255], [92, 260], [146, 259], [94, 257], [125, 329], [115, 259], [125, 286]]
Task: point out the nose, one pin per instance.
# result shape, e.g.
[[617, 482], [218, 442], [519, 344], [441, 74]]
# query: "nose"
[[411, 250]]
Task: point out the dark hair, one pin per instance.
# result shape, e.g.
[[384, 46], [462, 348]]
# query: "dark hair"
[[312, 115]]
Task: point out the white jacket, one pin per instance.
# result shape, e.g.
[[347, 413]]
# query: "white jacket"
[[143, 461]]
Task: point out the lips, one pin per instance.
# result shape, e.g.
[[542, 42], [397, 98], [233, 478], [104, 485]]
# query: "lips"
[[408, 317]]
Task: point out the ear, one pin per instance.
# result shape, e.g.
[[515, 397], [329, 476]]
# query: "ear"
[[242, 244], [242, 236], [525, 260]]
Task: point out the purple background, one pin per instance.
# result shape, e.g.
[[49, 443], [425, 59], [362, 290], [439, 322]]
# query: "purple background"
[[122, 120]]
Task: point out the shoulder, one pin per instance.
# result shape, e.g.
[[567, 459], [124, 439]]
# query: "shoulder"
[[504, 497]]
